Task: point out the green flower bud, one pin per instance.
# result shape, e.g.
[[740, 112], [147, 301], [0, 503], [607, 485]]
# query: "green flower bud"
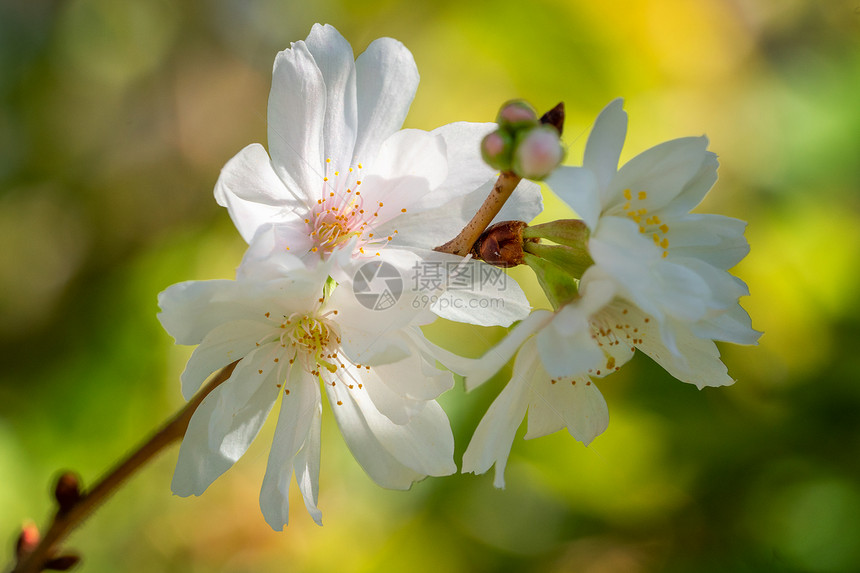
[[537, 153], [516, 114], [497, 148]]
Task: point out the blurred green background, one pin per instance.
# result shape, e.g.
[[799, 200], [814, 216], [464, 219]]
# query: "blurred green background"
[[115, 118]]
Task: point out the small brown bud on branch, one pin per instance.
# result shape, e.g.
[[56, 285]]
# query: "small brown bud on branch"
[[501, 244], [67, 491]]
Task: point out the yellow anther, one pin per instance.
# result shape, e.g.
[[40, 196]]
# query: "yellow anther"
[[664, 227], [664, 243], [642, 195], [627, 194]]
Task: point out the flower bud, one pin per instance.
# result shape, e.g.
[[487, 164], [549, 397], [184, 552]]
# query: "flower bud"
[[516, 114], [538, 152], [496, 149], [28, 539], [67, 491], [501, 244]]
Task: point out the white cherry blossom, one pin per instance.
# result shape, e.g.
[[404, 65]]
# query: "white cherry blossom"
[[340, 172], [659, 283], [291, 332], [669, 266]]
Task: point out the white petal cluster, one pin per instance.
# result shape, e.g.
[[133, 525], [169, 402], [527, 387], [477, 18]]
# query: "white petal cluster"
[[344, 198], [341, 174], [289, 338], [659, 283], [340, 186]]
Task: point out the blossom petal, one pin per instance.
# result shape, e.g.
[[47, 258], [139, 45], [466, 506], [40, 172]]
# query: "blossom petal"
[[467, 290], [576, 402], [414, 377], [249, 176], [410, 165], [386, 81], [566, 345], [524, 204], [387, 401], [491, 443], [715, 239], [272, 239], [485, 367], [244, 403], [577, 186], [254, 194], [733, 325], [695, 360], [191, 309], [223, 345], [658, 286], [394, 455], [605, 142], [299, 409], [437, 226], [307, 464], [200, 463], [466, 168], [697, 187], [197, 465], [380, 465], [334, 58], [662, 172], [297, 104]]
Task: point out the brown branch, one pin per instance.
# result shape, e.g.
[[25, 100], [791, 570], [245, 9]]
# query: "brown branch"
[[70, 517], [462, 243], [502, 190]]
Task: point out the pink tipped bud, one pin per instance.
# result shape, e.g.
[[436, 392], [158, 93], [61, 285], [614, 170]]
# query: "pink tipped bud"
[[28, 539], [496, 150], [516, 114], [538, 153]]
